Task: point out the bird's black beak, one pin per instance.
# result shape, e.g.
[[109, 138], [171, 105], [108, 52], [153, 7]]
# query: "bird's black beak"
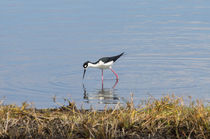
[[84, 73]]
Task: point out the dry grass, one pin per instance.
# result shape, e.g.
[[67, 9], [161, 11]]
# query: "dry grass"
[[167, 117]]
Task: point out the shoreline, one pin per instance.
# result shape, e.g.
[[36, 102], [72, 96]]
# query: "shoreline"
[[167, 117]]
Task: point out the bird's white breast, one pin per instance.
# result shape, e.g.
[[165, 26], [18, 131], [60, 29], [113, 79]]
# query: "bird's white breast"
[[101, 65]]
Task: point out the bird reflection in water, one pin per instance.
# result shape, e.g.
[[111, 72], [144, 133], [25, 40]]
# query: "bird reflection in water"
[[103, 95]]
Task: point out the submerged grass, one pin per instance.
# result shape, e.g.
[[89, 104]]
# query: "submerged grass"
[[167, 117]]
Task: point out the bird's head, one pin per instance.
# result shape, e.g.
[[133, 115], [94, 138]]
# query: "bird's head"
[[85, 66]]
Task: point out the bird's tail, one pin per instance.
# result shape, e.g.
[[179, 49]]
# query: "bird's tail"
[[118, 56]]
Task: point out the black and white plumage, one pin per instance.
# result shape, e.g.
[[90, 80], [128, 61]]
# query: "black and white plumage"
[[102, 63]]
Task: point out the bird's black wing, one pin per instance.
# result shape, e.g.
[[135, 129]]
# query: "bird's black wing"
[[113, 58]]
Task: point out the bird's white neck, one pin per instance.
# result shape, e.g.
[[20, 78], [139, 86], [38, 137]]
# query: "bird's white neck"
[[92, 65]]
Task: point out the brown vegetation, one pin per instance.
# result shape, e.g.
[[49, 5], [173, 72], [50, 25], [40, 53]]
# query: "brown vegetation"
[[167, 117]]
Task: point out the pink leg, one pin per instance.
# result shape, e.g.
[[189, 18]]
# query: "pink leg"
[[114, 73], [102, 76], [115, 84]]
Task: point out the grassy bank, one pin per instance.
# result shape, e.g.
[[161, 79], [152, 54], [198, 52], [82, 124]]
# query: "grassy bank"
[[167, 117]]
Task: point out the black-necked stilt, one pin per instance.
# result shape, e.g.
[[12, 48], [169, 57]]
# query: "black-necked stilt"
[[102, 63]]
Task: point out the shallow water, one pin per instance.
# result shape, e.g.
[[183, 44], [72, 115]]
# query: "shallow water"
[[43, 45]]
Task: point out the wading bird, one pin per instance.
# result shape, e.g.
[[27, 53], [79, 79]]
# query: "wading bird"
[[102, 63]]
